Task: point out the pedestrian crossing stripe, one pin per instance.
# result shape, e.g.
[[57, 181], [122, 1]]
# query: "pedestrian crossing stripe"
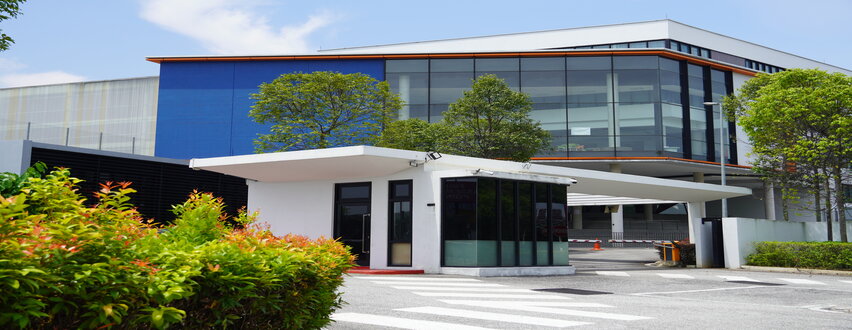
[[456, 289], [537, 303], [801, 281], [612, 273], [490, 295], [488, 316], [550, 310], [399, 322], [670, 275], [440, 284], [417, 278], [737, 278]]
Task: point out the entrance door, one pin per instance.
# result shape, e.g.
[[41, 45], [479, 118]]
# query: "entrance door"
[[352, 219]]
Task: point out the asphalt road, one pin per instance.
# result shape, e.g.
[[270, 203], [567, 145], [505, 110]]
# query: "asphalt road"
[[612, 289]]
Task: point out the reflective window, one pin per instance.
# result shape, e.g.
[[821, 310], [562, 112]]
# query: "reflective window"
[[503, 68], [508, 223], [590, 129], [698, 132], [449, 78], [641, 44], [637, 130], [672, 130], [559, 231], [399, 223], [543, 79], [657, 44]]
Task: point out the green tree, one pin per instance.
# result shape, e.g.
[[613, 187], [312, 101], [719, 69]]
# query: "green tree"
[[799, 122], [412, 134], [322, 110], [489, 121], [8, 9]]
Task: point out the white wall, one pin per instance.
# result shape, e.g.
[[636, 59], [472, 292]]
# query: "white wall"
[[307, 208], [740, 234]]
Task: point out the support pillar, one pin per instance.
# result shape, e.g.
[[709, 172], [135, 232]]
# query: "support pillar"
[[769, 200], [699, 177], [648, 211], [617, 219], [698, 235], [578, 217]]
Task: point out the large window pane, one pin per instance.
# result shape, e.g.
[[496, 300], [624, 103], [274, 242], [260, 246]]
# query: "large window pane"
[[508, 223], [407, 66], [672, 130], [559, 214], [486, 222], [638, 132], [636, 86], [542, 224], [449, 78], [547, 90], [400, 226], [459, 222], [526, 223], [413, 89], [504, 68], [698, 132], [590, 86], [590, 130]]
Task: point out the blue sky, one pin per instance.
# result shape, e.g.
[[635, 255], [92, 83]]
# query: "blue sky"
[[61, 40]]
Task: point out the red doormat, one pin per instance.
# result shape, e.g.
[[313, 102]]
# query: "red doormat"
[[367, 270]]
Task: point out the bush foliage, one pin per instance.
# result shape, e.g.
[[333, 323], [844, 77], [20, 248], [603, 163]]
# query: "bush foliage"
[[66, 265], [817, 255]]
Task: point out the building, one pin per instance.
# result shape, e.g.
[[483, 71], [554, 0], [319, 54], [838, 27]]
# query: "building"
[[626, 98], [114, 115], [401, 209]]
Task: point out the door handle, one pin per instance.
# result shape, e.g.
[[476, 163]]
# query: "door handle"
[[365, 239]]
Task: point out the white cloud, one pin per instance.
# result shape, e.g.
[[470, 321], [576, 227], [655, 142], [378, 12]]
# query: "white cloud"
[[11, 65], [36, 79], [231, 27]]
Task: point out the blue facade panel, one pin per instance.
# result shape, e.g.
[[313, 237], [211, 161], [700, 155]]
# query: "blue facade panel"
[[203, 106]]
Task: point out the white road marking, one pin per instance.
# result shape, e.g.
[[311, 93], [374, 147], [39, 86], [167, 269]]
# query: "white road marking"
[[399, 322], [502, 317], [526, 303], [441, 284], [490, 295], [612, 273], [438, 288], [850, 282], [670, 275], [737, 278], [557, 311], [691, 291], [801, 281], [415, 278]]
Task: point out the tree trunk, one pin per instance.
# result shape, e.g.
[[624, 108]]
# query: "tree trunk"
[[817, 197], [828, 208], [841, 206]]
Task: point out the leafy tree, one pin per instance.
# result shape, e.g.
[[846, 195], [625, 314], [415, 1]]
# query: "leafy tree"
[[489, 121], [800, 124], [322, 110], [492, 121], [413, 134], [8, 9]]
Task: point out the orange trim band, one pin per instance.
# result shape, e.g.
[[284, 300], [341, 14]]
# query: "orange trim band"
[[640, 158], [666, 53]]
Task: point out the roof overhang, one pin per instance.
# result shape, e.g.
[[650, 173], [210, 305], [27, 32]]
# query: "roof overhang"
[[591, 187]]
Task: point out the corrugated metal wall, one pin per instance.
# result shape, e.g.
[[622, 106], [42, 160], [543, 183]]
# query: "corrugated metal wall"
[[114, 115]]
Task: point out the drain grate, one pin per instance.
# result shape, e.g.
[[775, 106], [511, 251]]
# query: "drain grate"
[[573, 291], [756, 283]]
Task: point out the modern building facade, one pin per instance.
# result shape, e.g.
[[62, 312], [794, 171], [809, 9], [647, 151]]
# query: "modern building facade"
[[627, 98]]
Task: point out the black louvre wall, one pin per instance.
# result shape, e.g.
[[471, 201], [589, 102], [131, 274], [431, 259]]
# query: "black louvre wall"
[[159, 185]]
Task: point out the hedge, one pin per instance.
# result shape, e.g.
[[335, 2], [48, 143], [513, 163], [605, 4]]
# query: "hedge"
[[67, 265], [816, 255]]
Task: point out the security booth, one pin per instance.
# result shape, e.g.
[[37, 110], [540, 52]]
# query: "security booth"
[[401, 209]]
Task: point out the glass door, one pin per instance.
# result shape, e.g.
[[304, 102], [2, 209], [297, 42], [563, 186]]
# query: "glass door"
[[352, 219]]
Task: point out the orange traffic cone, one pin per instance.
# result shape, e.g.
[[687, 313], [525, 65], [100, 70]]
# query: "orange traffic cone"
[[597, 245]]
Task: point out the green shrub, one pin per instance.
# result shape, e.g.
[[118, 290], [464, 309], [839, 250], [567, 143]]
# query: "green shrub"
[[817, 255], [65, 265]]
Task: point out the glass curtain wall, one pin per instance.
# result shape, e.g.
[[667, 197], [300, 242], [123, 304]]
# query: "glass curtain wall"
[[718, 90], [593, 106], [399, 226], [697, 113], [543, 79], [410, 79], [494, 222]]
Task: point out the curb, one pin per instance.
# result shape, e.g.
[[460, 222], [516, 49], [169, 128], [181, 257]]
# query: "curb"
[[797, 270]]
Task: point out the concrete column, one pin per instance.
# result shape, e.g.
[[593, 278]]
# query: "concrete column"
[[649, 211], [578, 217], [769, 200], [617, 216], [699, 177], [617, 219], [698, 235]]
